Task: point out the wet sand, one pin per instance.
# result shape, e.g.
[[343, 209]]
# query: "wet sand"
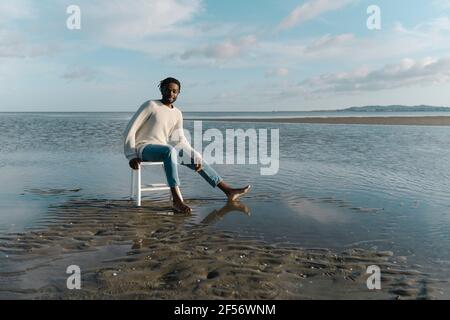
[[416, 121], [150, 253]]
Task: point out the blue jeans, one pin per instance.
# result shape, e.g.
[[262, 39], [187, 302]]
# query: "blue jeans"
[[169, 156]]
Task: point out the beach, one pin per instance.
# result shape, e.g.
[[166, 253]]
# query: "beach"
[[346, 197], [193, 150], [392, 120], [142, 253]]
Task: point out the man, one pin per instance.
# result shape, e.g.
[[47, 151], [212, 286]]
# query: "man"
[[151, 135]]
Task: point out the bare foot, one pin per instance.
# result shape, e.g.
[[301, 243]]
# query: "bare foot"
[[181, 207], [234, 194]]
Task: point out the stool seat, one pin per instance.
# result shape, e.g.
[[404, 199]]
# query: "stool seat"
[[136, 184]]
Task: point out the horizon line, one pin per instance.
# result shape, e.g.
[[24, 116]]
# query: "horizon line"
[[322, 110]]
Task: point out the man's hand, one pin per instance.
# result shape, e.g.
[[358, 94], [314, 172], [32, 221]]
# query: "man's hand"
[[134, 163], [198, 167]]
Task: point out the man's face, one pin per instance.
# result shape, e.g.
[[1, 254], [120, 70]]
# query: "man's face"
[[170, 92]]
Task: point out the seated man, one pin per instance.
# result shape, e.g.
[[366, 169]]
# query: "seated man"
[[147, 138]]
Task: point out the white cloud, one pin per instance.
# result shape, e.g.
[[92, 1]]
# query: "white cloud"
[[80, 73], [328, 42], [438, 27], [425, 38], [442, 4], [225, 50], [167, 30], [117, 20], [310, 10], [406, 73], [278, 72], [14, 44], [17, 9]]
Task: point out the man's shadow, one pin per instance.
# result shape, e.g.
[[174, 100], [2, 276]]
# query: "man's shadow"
[[230, 206]]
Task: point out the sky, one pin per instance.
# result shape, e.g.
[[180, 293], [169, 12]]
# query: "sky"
[[234, 55]]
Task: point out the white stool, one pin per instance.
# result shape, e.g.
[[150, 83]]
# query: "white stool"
[[136, 186]]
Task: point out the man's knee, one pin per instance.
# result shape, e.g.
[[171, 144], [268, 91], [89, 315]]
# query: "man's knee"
[[170, 153]]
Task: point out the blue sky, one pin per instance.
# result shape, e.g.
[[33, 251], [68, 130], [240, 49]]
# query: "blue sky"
[[229, 55]]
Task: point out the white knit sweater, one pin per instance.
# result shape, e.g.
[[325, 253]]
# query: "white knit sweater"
[[156, 123]]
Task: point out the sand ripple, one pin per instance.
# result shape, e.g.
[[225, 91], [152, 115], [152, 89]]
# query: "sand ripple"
[[142, 253]]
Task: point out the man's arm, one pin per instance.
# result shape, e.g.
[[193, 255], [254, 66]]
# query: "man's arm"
[[130, 132], [179, 138]]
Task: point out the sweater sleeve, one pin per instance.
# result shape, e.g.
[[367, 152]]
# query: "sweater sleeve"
[[133, 126], [177, 136]]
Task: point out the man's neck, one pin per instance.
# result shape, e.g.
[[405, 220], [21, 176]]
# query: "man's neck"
[[167, 104]]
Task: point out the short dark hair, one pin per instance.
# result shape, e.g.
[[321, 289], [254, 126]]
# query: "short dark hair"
[[166, 81]]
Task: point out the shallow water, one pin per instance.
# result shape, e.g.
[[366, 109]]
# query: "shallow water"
[[338, 186]]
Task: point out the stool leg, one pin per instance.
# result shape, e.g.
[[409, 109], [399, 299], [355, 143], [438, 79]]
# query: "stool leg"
[[132, 184], [138, 185]]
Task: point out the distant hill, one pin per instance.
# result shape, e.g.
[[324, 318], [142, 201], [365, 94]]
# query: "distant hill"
[[397, 108]]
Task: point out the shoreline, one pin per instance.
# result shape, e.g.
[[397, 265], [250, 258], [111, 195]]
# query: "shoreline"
[[414, 121]]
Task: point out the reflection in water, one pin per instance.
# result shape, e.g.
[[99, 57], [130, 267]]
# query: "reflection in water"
[[230, 206]]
